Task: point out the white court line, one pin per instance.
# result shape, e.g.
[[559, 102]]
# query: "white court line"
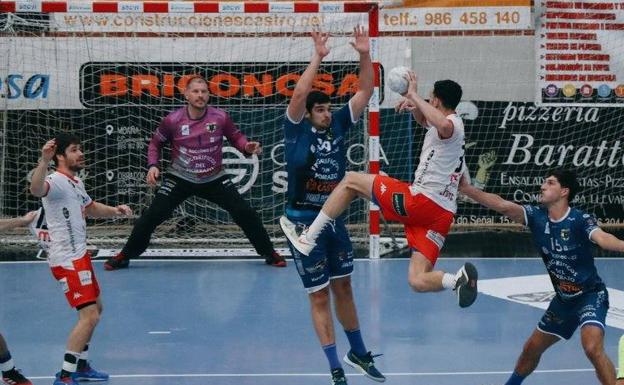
[[159, 332], [398, 374], [239, 260]]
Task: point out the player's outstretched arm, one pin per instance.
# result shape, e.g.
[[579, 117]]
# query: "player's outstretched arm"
[[10, 223], [100, 210], [514, 211], [359, 101], [37, 183], [607, 241], [431, 114], [296, 107]]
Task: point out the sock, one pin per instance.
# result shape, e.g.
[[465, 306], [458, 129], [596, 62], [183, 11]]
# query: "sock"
[[6, 362], [356, 342], [449, 281], [515, 379], [317, 226], [69, 363], [82, 361], [332, 356], [621, 358]]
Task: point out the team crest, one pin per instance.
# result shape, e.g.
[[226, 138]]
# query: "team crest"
[[565, 234], [184, 130], [211, 127]]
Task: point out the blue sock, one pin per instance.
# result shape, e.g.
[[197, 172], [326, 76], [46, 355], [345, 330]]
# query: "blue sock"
[[332, 356], [515, 379], [356, 342]]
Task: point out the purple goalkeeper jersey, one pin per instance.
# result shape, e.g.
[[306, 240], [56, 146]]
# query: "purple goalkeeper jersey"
[[196, 144]]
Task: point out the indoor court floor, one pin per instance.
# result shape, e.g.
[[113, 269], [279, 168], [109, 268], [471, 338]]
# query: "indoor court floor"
[[240, 322]]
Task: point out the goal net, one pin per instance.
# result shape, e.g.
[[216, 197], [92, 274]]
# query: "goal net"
[[110, 72]]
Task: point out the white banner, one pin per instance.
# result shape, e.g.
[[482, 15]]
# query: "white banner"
[[206, 22]]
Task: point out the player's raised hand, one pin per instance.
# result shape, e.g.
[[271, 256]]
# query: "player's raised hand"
[[253, 148], [361, 43], [48, 150], [412, 79], [123, 210], [404, 105], [152, 175], [320, 43]]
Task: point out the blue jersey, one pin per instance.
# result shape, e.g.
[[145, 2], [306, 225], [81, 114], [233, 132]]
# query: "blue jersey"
[[566, 249], [316, 162]]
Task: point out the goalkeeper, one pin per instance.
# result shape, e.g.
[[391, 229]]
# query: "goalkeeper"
[[195, 133]]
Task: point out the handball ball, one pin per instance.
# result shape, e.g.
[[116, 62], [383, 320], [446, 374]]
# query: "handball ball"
[[397, 80]]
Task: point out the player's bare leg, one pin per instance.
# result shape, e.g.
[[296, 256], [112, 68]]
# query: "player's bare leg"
[[422, 278], [592, 339], [10, 375], [532, 351], [358, 357], [620, 380]]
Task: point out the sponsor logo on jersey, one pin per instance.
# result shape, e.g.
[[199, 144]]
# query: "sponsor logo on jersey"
[[65, 212], [184, 130], [211, 127], [85, 277], [565, 234], [436, 238]]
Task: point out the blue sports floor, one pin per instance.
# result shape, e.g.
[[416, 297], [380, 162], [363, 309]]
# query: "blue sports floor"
[[243, 323]]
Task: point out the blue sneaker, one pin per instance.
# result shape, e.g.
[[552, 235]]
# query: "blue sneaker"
[[64, 381], [364, 365], [89, 374]]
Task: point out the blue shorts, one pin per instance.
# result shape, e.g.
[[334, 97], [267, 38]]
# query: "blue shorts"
[[331, 258], [562, 318]]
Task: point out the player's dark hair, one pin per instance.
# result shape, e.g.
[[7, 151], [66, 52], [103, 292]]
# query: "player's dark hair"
[[64, 140], [316, 97], [195, 78], [449, 93], [567, 179]]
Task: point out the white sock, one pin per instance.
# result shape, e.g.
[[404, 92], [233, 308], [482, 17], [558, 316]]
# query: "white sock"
[[6, 366], [317, 226], [70, 361], [449, 281]]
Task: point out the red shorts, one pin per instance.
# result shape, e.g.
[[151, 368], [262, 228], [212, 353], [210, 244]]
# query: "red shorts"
[[79, 284], [426, 223]]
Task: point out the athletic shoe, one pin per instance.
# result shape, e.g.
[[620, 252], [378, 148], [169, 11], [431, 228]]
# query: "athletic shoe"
[[299, 241], [466, 286], [117, 262], [14, 377], [64, 381], [89, 374], [275, 260], [364, 365], [338, 377]]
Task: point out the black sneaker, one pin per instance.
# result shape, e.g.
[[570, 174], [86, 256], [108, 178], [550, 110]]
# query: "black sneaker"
[[117, 262], [14, 377], [275, 260], [338, 377], [466, 286], [364, 365]]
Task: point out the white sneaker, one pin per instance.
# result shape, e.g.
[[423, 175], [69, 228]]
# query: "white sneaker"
[[299, 241]]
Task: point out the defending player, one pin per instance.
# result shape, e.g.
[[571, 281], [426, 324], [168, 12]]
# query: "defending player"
[[564, 236], [426, 207], [316, 161], [66, 204]]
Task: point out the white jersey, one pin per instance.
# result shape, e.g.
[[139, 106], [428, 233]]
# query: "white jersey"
[[39, 229], [64, 205], [441, 165]]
